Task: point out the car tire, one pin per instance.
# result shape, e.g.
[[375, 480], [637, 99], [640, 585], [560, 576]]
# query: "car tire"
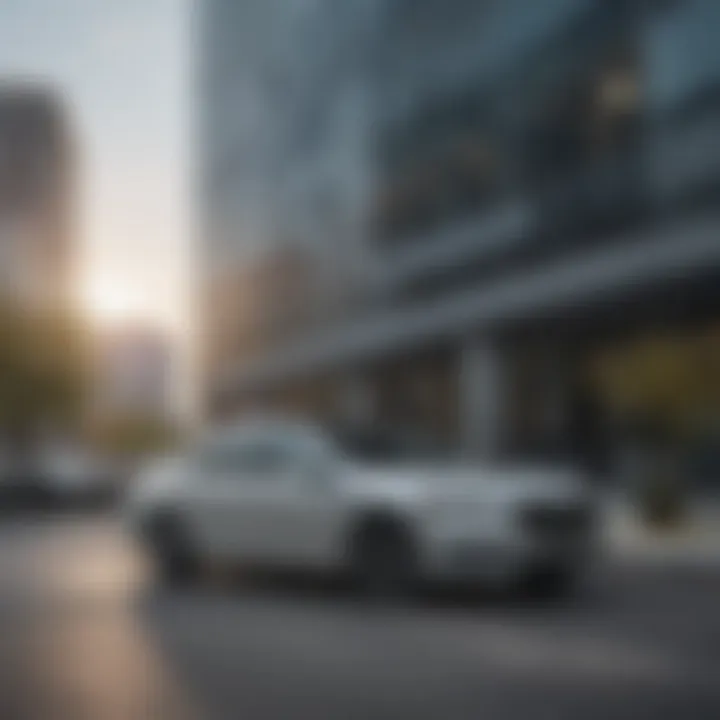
[[383, 560], [553, 583], [176, 563]]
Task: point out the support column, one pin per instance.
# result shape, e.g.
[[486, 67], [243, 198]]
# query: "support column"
[[555, 379], [483, 395]]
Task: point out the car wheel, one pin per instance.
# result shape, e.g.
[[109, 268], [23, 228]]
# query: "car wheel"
[[384, 562], [175, 561], [553, 583]]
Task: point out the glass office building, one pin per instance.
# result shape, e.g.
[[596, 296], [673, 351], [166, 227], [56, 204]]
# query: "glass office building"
[[478, 208]]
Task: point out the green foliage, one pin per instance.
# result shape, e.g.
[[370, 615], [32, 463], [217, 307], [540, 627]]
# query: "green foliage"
[[662, 492], [44, 370], [662, 502], [135, 435]]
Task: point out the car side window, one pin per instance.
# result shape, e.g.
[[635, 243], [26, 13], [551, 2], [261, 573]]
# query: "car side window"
[[264, 459], [260, 457], [217, 458], [245, 460]]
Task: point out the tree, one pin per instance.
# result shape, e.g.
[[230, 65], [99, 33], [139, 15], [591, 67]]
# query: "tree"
[[44, 372], [135, 435]]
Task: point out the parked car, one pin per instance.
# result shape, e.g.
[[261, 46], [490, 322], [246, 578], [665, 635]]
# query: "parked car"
[[276, 493], [20, 484], [74, 478], [56, 477]]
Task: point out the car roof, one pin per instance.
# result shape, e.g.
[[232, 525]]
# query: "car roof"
[[262, 425]]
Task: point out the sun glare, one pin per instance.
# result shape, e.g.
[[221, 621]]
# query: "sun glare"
[[108, 303]]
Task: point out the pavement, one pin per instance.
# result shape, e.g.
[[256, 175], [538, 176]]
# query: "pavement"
[[86, 635], [693, 542]]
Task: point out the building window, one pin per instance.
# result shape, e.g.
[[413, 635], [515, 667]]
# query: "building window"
[[445, 165]]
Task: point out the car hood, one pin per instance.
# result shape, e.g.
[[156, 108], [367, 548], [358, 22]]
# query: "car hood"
[[458, 482]]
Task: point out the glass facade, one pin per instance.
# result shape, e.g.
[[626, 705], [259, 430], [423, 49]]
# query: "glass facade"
[[419, 155], [584, 112]]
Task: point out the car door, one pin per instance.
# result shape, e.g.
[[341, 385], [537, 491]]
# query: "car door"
[[249, 491], [267, 497], [304, 509], [258, 527], [214, 498]]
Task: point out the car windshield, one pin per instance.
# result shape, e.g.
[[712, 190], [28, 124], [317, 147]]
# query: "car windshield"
[[381, 445]]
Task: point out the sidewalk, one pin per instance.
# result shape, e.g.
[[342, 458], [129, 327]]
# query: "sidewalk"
[[695, 542]]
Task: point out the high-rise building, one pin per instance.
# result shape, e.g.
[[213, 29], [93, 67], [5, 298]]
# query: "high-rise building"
[[495, 203], [37, 195]]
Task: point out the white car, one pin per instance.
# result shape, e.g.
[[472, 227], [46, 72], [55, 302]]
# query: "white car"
[[73, 475], [56, 476], [283, 494]]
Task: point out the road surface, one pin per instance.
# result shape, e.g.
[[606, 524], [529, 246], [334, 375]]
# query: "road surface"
[[85, 635]]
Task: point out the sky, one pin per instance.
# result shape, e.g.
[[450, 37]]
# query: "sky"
[[123, 68]]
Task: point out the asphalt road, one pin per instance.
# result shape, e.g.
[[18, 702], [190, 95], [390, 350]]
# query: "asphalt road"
[[84, 635]]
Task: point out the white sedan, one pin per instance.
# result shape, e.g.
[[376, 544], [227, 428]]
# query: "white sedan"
[[281, 494]]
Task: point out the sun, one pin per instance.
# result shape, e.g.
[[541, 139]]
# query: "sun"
[[108, 303]]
